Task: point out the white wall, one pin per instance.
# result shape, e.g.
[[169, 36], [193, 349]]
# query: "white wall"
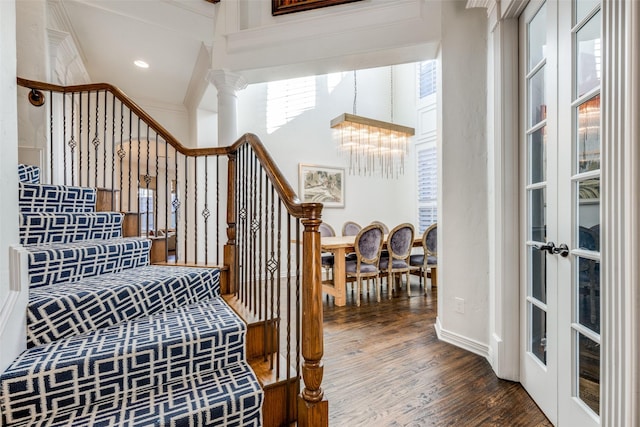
[[463, 262], [13, 297], [9, 136], [358, 35], [32, 63], [308, 139]]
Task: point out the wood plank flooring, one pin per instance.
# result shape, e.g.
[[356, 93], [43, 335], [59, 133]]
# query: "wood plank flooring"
[[384, 366]]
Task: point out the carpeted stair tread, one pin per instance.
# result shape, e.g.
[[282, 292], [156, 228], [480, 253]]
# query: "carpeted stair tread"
[[67, 309], [114, 361], [37, 228], [228, 397], [68, 262], [55, 198], [28, 173]]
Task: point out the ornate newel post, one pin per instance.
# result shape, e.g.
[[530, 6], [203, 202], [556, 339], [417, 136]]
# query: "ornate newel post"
[[313, 409]]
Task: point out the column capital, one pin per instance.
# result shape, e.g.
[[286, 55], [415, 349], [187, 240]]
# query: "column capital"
[[226, 81]]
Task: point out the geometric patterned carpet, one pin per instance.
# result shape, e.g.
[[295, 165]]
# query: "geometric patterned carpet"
[[68, 262], [67, 227], [229, 397], [113, 340], [80, 370], [63, 310]]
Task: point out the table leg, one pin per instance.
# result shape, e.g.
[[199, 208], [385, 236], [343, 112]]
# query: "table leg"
[[339, 277]]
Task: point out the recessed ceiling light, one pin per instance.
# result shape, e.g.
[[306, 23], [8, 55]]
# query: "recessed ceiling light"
[[140, 63]]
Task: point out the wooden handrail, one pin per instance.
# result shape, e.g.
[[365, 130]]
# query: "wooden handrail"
[[168, 137], [282, 186], [284, 190]]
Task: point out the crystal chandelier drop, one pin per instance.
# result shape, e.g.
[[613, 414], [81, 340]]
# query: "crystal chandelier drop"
[[374, 147]]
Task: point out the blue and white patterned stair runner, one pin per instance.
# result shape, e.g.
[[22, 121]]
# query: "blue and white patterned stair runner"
[[37, 228], [112, 340], [115, 361], [63, 310], [229, 397], [69, 262], [55, 198]]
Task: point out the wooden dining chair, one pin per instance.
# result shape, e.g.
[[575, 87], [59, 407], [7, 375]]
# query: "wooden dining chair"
[[399, 244], [425, 264], [368, 245], [351, 228], [385, 229]]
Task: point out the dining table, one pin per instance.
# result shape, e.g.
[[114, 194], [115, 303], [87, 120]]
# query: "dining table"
[[340, 246]]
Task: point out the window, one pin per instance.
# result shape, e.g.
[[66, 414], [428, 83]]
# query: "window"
[[287, 99], [427, 174], [427, 78], [146, 201]]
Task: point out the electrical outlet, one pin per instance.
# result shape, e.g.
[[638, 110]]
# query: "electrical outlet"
[[460, 305]]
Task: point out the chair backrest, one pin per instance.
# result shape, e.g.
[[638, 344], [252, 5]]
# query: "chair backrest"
[[326, 230], [385, 229], [400, 241], [430, 240], [351, 228], [368, 244]]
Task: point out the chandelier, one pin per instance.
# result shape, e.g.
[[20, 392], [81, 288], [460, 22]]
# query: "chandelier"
[[374, 147]]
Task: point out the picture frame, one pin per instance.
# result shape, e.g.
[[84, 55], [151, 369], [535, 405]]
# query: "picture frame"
[[323, 184], [280, 7]]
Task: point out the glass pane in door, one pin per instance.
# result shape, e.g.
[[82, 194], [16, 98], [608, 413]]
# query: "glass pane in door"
[[538, 262], [537, 106], [588, 66], [589, 293], [537, 215], [538, 339], [589, 372], [588, 135], [538, 156], [537, 38]]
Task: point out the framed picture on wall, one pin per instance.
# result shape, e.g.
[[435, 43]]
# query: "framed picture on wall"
[[280, 7], [321, 184]]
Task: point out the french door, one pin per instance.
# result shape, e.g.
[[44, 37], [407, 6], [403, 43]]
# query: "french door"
[[560, 163]]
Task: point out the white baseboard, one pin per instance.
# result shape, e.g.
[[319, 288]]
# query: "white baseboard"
[[463, 342], [13, 313]]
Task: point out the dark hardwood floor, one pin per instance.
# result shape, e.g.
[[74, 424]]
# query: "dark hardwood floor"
[[384, 366]]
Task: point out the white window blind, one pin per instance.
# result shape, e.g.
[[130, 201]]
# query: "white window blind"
[[427, 78], [427, 175]]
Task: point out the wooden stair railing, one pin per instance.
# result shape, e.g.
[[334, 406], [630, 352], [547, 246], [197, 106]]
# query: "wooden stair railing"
[[188, 199]]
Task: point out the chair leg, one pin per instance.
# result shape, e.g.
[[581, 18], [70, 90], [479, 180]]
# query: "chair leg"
[[378, 284], [358, 286], [408, 283], [391, 286]]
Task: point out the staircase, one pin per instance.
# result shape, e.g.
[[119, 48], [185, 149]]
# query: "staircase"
[[113, 340]]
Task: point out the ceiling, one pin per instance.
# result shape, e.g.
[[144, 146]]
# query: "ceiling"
[[167, 34]]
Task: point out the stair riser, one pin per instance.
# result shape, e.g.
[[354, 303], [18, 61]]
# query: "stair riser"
[[55, 198], [42, 228], [56, 265], [112, 362], [107, 300], [231, 398]]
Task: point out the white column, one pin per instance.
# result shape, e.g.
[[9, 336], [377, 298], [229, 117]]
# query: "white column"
[[502, 146], [620, 213], [228, 84]]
